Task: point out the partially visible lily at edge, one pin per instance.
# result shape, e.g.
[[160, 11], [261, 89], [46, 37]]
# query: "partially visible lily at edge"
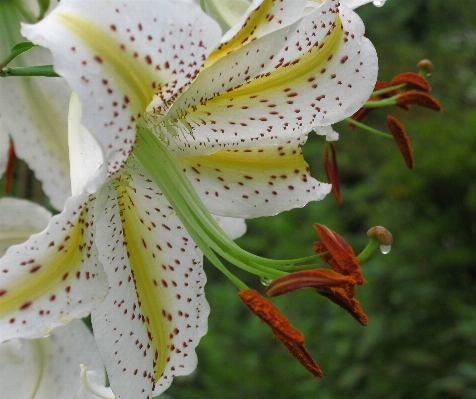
[[32, 112], [43, 368], [176, 130]]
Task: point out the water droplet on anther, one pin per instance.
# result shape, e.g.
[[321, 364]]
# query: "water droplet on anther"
[[265, 280], [385, 249]]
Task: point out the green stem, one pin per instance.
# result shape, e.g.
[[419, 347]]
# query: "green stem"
[[387, 102], [42, 70], [369, 250], [368, 128], [387, 90]]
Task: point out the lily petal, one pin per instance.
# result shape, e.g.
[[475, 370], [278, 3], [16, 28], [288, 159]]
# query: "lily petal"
[[32, 109], [308, 74], [233, 227], [49, 280], [328, 131], [119, 56], [47, 368], [260, 18], [256, 181], [85, 153], [20, 219], [148, 326]]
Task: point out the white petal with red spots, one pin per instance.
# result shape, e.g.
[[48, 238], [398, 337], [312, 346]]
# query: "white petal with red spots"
[[118, 56], [313, 73], [53, 277], [256, 181], [261, 18], [155, 313]]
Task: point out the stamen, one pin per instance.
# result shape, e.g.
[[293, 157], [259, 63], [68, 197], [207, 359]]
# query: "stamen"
[[282, 329], [316, 278], [341, 257], [341, 298], [412, 81], [422, 99], [403, 142], [332, 171]]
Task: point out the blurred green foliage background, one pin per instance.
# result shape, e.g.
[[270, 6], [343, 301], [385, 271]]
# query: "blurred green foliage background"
[[421, 298]]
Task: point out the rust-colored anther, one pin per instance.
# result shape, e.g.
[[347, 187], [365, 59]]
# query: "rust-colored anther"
[[412, 81], [12, 158], [403, 142], [426, 67], [341, 257], [418, 98], [382, 234], [282, 329], [316, 278], [341, 298], [332, 171]]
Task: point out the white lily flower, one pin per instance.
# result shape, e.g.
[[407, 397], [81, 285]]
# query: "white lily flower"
[[32, 110], [235, 128], [45, 368]]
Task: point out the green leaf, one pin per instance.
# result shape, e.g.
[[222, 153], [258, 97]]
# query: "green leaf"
[[44, 5], [16, 50]]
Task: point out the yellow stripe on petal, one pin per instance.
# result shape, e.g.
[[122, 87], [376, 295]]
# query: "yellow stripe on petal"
[[253, 182], [151, 292], [46, 274], [52, 278], [295, 72], [245, 34], [131, 74]]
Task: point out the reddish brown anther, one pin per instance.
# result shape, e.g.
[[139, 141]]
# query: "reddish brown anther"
[[282, 329], [412, 81], [332, 171], [403, 142], [12, 158], [316, 278], [347, 302], [341, 257], [418, 98]]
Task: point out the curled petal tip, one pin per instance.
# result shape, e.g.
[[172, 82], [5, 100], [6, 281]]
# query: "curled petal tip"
[[382, 234]]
